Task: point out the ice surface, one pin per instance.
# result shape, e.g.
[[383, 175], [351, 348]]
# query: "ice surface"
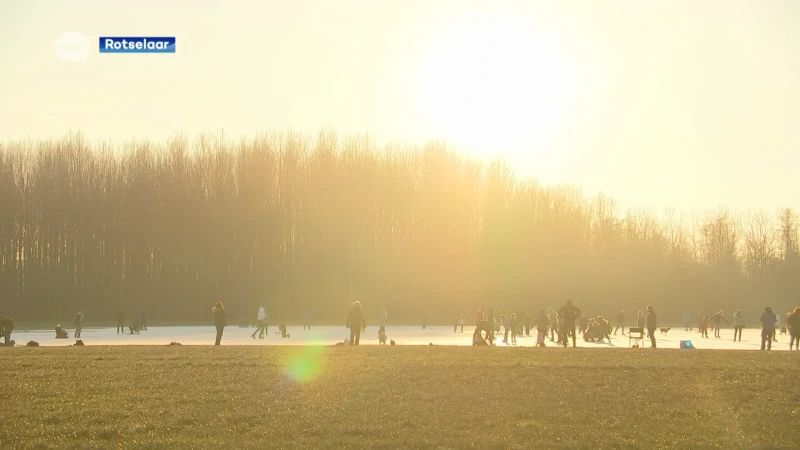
[[403, 335]]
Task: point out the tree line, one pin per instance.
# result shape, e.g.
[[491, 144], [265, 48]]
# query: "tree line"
[[298, 223]]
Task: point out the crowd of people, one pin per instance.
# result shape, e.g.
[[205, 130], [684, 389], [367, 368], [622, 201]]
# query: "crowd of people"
[[562, 325]]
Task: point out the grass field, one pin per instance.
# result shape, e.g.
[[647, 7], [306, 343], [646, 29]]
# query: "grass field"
[[396, 397]]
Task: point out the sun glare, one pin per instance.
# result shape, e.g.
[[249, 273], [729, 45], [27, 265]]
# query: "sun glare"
[[492, 85]]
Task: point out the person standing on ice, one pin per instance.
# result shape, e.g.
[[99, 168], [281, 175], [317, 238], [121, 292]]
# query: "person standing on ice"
[[384, 317], [262, 318], [718, 317], [356, 323], [307, 318], [121, 321], [687, 319], [793, 324], [652, 323], [768, 321], [220, 320], [738, 324], [569, 314], [620, 323], [78, 322], [462, 321]]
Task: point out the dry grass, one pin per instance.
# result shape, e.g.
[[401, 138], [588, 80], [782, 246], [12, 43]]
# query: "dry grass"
[[395, 397]]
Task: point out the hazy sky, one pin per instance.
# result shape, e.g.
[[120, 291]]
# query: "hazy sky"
[[681, 103]]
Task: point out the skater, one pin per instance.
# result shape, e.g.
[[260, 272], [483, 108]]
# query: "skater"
[[704, 326], [738, 324], [455, 324], [652, 323], [145, 314], [768, 321], [514, 328], [490, 317], [462, 321], [620, 323], [718, 317], [78, 322], [121, 321], [220, 320], [137, 321], [506, 322], [541, 322], [282, 329], [356, 323], [569, 314], [687, 319], [793, 324], [424, 321], [605, 329], [307, 317], [261, 318], [6, 327], [383, 319], [553, 324]]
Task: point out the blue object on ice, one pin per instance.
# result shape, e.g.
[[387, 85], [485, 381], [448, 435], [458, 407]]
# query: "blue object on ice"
[[686, 344]]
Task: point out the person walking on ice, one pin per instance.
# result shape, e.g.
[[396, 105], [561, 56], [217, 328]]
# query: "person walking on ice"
[[220, 320], [262, 318], [356, 323], [78, 322]]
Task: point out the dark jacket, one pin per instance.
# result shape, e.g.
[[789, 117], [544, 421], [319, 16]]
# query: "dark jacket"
[[220, 317], [356, 320], [794, 323], [651, 320], [569, 313]]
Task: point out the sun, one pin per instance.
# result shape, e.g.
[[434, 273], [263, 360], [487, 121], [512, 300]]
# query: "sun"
[[492, 85]]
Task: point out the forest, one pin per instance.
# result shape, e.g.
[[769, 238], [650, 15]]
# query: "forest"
[[299, 222]]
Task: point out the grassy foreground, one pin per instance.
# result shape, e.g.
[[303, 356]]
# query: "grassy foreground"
[[396, 397]]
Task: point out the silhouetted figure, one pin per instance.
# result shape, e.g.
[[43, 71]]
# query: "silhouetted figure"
[[514, 328], [620, 323], [652, 323], [462, 320], [718, 317], [356, 323], [606, 328], [6, 327], [793, 324], [704, 326], [78, 322], [145, 315], [455, 324], [490, 317], [261, 317], [282, 329], [768, 322], [553, 316], [307, 317], [384, 318], [137, 321], [121, 322], [541, 322], [424, 321], [738, 325], [482, 333], [505, 322], [528, 324], [220, 320], [687, 320], [569, 314]]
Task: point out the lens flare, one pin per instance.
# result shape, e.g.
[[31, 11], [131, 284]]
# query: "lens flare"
[[306, 364]]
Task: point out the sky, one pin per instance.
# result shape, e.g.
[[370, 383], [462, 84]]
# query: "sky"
[[679, 104]]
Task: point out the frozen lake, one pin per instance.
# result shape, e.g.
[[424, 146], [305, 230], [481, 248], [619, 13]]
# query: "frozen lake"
[[403, 335]]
